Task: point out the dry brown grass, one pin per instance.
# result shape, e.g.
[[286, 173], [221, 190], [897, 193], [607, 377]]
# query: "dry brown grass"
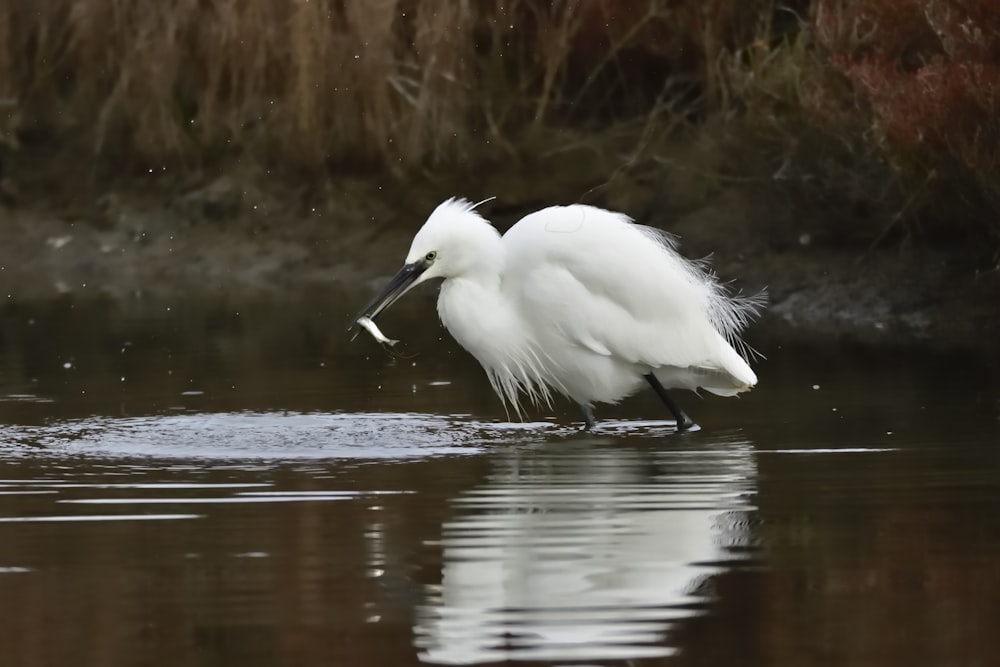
[[308, 81], [385, 82], [399, 85]]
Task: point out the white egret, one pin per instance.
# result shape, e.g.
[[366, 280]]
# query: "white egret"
[[578, 301]]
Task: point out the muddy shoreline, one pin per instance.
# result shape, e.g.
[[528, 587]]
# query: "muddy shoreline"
[[234, 238]]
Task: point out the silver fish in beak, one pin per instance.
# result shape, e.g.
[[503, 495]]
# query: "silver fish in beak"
[[399, 285]]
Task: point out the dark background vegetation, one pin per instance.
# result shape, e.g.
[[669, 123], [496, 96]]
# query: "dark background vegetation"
[[853, 126]]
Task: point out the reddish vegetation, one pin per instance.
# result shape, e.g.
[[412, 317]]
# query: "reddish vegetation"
[[929, 72]]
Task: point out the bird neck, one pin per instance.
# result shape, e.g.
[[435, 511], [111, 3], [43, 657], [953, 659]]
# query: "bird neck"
[[484, 320], [475, 311]]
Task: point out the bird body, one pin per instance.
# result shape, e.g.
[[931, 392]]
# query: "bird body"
[[579, 301]]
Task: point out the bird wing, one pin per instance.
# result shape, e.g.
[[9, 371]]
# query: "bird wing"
[[591, 278], [603, 317]]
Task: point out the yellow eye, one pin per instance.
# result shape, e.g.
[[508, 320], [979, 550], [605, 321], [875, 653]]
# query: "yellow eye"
[[431, 256]]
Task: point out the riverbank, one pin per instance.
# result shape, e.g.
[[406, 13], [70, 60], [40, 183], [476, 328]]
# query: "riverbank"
[[246, 235]]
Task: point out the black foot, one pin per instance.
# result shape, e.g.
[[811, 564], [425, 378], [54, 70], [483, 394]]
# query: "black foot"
[[588, 417], [684, 423]]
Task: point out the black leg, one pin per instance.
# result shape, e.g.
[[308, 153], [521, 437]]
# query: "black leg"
[[683, 421], [588, 417]]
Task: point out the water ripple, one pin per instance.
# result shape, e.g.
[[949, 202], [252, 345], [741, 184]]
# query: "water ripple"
[[256, 435]]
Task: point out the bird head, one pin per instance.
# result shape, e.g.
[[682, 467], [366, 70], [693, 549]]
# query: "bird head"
[[454, 242]]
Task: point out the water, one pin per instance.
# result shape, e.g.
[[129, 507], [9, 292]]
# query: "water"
[[236, 483]]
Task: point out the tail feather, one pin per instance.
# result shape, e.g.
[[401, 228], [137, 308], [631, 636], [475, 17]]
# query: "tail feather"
[[728, 374]]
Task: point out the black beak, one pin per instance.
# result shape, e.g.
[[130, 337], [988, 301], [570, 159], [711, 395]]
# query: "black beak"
[[397, 287]]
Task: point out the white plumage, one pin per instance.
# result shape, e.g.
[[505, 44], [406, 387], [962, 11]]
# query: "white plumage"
[[579, 301]]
